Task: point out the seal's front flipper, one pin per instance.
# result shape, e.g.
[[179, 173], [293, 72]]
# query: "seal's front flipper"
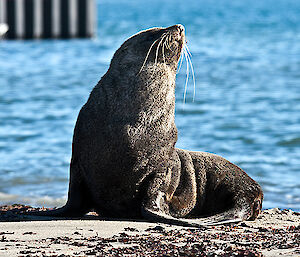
[[65, 211], [78, 202]]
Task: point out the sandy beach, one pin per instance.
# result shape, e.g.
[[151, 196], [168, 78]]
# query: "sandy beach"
[[275, 233]]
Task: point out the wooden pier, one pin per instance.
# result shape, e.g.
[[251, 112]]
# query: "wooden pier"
[[33, 19]]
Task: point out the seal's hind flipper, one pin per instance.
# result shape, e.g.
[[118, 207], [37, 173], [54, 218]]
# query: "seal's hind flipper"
[[227, 217]]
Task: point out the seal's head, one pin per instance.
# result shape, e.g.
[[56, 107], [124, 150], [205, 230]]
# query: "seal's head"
[[150, 48]]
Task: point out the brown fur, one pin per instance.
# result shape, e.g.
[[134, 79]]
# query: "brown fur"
[[124, 161]]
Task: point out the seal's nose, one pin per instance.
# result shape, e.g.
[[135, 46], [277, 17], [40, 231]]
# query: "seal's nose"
[[178, 27]]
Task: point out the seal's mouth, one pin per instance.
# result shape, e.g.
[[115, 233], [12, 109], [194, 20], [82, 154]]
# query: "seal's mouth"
[[166, 45]]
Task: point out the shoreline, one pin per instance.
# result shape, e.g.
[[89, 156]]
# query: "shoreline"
[[274, 233]]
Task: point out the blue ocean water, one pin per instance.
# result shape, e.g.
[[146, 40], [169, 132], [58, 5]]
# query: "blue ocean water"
[[246, 57]]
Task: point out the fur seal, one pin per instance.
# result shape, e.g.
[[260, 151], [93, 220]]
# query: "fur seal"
[[124, 161]]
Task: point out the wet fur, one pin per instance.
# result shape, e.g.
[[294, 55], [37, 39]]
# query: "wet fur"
[[124, 161]]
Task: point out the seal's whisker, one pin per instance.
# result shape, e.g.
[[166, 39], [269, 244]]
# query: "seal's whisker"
[[188, 50], [168, 41], [181, 57], [187, 74], [171, 45], [180, 64], [192, 68], [157, 51], [163, 52], [157, 48], [165, 45], [148, 53]]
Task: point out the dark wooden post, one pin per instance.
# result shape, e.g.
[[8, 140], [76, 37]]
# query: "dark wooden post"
[[29, 19]]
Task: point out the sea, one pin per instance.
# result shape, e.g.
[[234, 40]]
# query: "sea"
[[246, 106]]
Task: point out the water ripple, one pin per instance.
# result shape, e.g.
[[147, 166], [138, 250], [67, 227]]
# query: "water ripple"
[[246, 56]]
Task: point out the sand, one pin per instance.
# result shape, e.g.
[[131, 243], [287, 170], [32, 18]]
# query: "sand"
[[275, 233]]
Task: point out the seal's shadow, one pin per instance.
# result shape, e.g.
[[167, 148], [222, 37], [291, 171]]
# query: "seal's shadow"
[[17, 216]]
